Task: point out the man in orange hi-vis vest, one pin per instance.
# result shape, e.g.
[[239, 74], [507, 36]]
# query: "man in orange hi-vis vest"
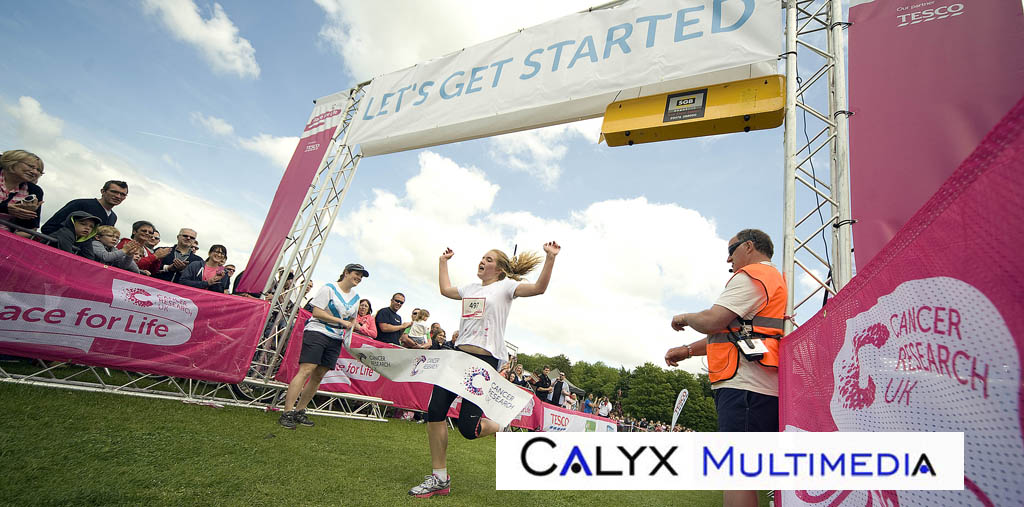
[[743, 327]]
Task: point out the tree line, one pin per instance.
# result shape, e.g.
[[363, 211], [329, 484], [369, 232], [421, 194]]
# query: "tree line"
[[647, 391]]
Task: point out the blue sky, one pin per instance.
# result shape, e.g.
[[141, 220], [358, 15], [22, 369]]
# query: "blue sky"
[[198, 105]]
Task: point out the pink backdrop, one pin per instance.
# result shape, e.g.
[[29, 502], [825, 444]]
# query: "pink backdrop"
[[291, 192], [929, 336], [61, 307], [923, 95], [350, 376]]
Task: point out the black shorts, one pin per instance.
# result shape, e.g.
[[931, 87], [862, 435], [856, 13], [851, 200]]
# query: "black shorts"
[[319, 349], [469, 413], [741, 410]]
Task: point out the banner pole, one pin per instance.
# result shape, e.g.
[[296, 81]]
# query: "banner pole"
[[789, 183]]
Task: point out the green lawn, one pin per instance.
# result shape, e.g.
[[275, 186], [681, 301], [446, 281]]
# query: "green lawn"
[[78, 448]]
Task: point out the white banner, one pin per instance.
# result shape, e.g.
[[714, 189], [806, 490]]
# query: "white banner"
[[678, 409], [568, 69], [556, 420], [455, 371], [730, 461], [137, 313]]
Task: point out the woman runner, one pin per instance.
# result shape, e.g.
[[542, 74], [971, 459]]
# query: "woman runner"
[[485, 307]]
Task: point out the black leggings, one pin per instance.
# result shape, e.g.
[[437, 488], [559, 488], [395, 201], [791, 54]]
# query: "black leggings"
[[469, 414]]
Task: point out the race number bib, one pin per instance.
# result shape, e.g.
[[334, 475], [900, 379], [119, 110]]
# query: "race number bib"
[[473, 308]]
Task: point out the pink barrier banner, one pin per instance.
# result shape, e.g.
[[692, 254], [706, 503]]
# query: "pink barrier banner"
[[929, 336], [291, 192], [928, 80], [60, 307], [351, 376]]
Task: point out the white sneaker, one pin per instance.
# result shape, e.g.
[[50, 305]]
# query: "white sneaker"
[[432, 486]]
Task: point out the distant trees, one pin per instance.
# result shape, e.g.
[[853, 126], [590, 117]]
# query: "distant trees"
[[647, 390]]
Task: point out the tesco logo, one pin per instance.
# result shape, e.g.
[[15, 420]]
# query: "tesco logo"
[[558, 422], [946, 11]]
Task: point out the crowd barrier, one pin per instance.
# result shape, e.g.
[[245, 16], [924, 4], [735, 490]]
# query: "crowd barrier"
[[57, 306], [351, 376], [929, 336]]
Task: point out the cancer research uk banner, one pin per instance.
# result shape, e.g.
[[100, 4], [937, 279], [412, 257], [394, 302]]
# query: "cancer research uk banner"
[[929, 336], [928, 80], [310, 153], [567, 70], [60, 307]]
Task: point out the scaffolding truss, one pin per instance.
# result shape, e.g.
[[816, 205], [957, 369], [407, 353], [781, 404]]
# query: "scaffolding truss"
[[819, 242], [249, 394]]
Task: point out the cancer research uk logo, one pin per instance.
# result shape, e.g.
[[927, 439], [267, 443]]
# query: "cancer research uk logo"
[[138, 296], [471, 374], [924, 12], [936, 355], [136, 313], [424, 363]]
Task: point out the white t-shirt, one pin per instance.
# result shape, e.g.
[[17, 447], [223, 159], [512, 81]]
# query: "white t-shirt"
[[347, 307], [745, 297], [484, 313], [419, 332]]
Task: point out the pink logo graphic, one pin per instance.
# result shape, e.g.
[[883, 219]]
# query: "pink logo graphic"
[[320, 119], [415, 367], [854, 396], [132, 294], [471, 374], [934, 354]]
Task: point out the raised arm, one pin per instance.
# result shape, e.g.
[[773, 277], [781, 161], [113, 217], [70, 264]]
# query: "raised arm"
[[443, 281], [525, 290]]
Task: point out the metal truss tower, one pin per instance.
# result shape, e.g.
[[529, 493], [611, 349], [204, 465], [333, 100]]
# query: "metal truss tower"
[[816, 215], [303, 246]]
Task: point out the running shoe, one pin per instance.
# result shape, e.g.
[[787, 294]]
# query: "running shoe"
[[287, 420], [432, 486], [300, 417]]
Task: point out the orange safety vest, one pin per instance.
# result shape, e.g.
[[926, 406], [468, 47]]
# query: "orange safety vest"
[[723, 354]]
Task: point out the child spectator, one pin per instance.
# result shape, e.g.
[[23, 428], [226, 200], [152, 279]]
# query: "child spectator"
[[79, 228], [104, 249], [419, 331], [209, 275]]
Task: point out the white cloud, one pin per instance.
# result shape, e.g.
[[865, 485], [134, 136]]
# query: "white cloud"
[[278, 150], [539, 152], [378, 37], [213, 124], [74, 171], [33, 125], [623, 261], [216, 38]]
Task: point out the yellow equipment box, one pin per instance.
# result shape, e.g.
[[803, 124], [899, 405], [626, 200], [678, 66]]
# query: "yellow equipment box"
[[750, 104]]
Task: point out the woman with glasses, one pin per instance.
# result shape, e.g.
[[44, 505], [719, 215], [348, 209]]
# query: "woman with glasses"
[[485, 307], [209, 274], [21, 199]]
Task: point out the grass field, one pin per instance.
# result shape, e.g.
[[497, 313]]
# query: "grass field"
[[62, 447]]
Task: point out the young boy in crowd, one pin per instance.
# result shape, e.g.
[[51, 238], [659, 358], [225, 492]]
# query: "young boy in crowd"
[[78, 229], [104, 249]]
